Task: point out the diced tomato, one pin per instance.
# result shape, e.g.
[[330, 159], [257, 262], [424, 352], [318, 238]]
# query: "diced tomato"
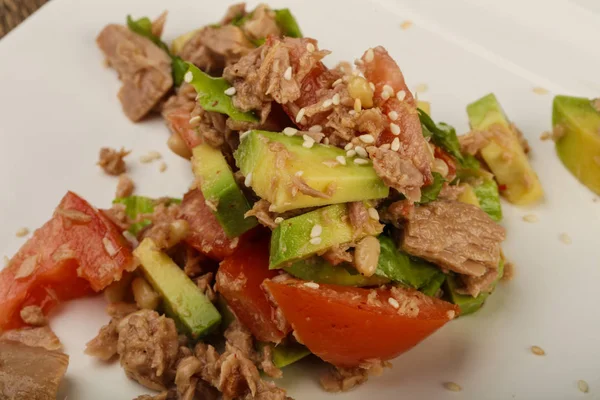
[[179, 121], [206, 234], [78, 249], [449, 160], [345, 327], [239, 281]]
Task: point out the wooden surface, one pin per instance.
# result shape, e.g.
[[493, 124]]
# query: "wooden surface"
[[13, 12]]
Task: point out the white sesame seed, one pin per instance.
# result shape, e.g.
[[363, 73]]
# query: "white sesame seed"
[[352, 112], [341, 160], [450, 314], [530, 218], [385, 146], [299, 173], [130, 238], [367, 139], [300, 115], [393, 115], [315, 241], [389, 89], [369, 55], [248, 180], [358, 61], [401, 95], [348, 146], [188, 76], [316, 231], [326, 140], [583, 386], [565, 238], [310, 47], [395, 146], [393, 302], [361, 151], [350, 153], [327, 103], [22, 232], [538, 351], [395, 129], [357, 105], [194, 119], [360, 161], [308, 143], [109, 247], [162, 167], [308, 138], [373, 213], [243, 135], [315, 128], [337, 82], [287, 75], [336, 99], [312, 285], [385, 95], [151, 156], [289, 131], [278, 220], [372, 85], [230, 91], [453, 387], [272, 208], [539, 90]]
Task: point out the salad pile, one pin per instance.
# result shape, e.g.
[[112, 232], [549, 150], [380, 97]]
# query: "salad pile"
[[330, 215]]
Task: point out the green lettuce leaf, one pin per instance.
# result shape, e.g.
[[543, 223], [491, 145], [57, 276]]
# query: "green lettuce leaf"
[[287, 23], [489, 198], [137, 205], [432, 191]]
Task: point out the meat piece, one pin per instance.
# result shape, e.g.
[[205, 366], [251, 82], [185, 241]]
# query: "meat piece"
[[158, 24], [192, 265], [111, 160], [260, 210], [359, 218], [451, 192], [143, 67], [37, 337], [261, 24], [30, 373], [148, 348], [170, 394], [104, 345], [211, 126], [238, 336], [398, 172], [338, 254], [474, 285], [267, 364], [33, 315], [204, 283], [167, 229], [234, 11], [454, 235], [125, 186], [183, 99], [344, 379], [397, 212]]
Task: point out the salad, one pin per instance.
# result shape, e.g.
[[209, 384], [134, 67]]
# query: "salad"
[[330, 217]]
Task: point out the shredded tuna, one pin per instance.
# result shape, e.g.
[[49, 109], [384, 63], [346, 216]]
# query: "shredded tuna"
[[211, 126], [345, 379], [159, 24], [474, 285], [397, 172], [111, 160], [301, 186], [183, 99], [397, 212], [36, 337], [260, 210], [454, 235], [205, 283], [233, 12], [451, 192], [104, 345], [125, 186], [33, 315], [261, 24], [338, 254], [267, 364], [522, 141], [118, 216]]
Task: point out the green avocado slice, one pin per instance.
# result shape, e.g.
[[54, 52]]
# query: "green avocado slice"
[[469, 304], [318, 270]]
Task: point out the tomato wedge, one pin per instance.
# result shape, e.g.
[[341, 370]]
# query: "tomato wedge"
[[206, 234], [179, 121], [239, 281], [77, 250], [347, 326]]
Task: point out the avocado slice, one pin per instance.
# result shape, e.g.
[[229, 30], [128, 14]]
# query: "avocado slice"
[[291, 240], [318, 270], [183, 300], [469, 304], [505, 156], [432, 288], [279, 163], [468, 196], [579, 145], [286, 354], [488, 198], [221, 191]]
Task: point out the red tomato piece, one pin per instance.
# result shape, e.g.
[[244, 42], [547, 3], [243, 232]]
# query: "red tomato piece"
[[179, 121], [449, 160], [239, 281], [78, 249], [345, 326], [206, 234]]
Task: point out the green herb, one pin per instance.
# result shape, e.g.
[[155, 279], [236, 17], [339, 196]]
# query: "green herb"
[[431, 192], [287, 23], [212, 97]]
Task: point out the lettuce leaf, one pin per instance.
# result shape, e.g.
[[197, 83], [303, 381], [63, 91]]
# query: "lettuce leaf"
[[431, 192], [287, 23], [489, 198]]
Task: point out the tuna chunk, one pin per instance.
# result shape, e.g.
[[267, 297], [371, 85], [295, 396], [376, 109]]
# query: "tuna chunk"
[[454, 235]]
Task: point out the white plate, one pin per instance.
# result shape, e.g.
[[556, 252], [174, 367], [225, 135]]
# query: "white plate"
[[58, 106]]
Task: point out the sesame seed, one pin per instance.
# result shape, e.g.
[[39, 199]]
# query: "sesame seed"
[[244, 134], [312, 285], [310, 47], [151, 156], [195, 119], [367, 139], [316, 231], [326, 140], [405, 25], [336, 99], [337, 82], [565, 238], [395, 146], [538, 351], [348, 146], [401, 95], [385, 146], [308, 144], [373, 213], [546, 136], [450, 314], [290, 131], [385, 95], [188, 76], [393, 302], [300, 115], [358, 61], [350, 153], [299, 173], [327, 103], [369, 55], [351, 112], [130, 238], [22, 232], [278, 220], [361, 151], [530, 218], [389, 89], [360, 161], [308, 138], [109, 247], [583, 386], [395, 129], [248, 180], [453, 387], [315, 128], [357, 105], [287, 75], [230, 91], [272, 208], [162, 167], [393, 115], [539, 90], [372, 85], [341, 160], [315, 241]]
